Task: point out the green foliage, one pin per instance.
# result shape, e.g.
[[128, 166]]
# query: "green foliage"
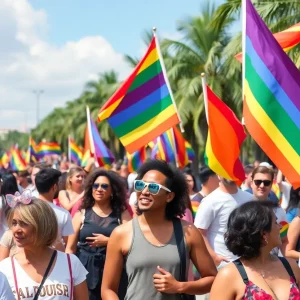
[[12, 138]]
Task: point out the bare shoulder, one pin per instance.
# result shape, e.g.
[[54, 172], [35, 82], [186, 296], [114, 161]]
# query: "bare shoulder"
[[123, 229], [228, 272], [189, 229], [122, 236]]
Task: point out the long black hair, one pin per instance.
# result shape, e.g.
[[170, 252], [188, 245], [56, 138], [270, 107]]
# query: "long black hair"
[[118, 199]]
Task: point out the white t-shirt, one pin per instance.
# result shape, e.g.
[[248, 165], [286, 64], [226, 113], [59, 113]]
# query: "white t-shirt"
[[56, 287], [133, 199], [286, 190], [213, 214], [64, 220], [5, 290]]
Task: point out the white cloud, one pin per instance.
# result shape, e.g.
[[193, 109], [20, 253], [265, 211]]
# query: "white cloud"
[[28, 62]]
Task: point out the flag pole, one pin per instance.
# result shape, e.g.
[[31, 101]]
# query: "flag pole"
[[166, 77], [88, 115], [204, 88]]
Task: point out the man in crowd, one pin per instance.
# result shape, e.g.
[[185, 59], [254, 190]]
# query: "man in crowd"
[[46, 181], [36, 168], [149, 241], [247, 183], [212, 216], [262, 179], [22, 179], [209, 181]]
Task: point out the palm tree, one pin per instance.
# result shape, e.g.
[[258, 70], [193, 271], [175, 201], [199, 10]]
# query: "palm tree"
[[200, 50]]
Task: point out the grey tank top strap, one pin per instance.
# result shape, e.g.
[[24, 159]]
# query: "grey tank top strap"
[[141, 264]]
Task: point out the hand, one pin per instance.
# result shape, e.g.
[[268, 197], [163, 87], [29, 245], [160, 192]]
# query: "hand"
[[98, 240], [218, 259], [165, 282]]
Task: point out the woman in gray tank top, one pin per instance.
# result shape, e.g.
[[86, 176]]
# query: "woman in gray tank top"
[[147, 244]]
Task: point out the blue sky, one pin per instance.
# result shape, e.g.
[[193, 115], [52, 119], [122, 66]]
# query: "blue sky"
[[120, 22], [58, 45]]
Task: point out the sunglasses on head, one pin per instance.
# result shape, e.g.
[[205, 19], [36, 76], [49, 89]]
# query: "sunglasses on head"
[[153, 188], [258, 182], [103, 186]]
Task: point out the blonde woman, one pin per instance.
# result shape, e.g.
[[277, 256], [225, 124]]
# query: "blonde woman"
[[37, 270], [71, 198]]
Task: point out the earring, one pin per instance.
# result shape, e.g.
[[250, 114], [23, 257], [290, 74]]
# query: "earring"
[[266, 241]]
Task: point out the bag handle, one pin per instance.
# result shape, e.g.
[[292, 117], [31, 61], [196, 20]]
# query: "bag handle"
[[71, 276], [45, 275], [15, 276]]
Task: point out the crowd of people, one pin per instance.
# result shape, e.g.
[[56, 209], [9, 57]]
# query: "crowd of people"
[[91, 233]]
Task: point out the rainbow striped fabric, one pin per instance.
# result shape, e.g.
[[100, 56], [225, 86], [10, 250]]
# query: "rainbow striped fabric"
[[47, 148], [98, 149], [224, 139], [17, 163], [173, 148], [143, 107], [135, 160], [287, 39], [271, 97], [31, 155], [75, 152], [284, 229], [4, 159], [86, 156]]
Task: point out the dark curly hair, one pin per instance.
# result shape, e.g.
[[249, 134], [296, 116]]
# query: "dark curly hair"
[[118, 201], [245, 228], [175, 182]]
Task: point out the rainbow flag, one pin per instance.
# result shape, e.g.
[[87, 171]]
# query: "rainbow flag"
[[4, 159], [143, 107], [284, 229], [173, 148], [135, 160], [47, 148], [271, 97], [195, 205], [98, 149], [17, 163], [31, 155], [224, 139], [86, 156], [75, 152], [287, 39]]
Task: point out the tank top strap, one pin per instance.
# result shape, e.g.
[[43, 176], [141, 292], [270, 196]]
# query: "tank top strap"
[[241, 270], [287, 267]]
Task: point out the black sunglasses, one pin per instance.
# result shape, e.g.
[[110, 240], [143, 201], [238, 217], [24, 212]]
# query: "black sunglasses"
[[258, 182], [103, 186]]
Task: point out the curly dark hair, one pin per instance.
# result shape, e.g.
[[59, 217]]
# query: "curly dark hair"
[[245, 228], [175, 182], [118, 201]]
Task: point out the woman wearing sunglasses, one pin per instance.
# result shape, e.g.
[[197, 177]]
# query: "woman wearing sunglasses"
[[102, 210]]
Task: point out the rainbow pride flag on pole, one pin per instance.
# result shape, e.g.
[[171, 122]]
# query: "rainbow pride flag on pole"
[[17, 163], [287, 39], [31, 155], [224, 139], [271, 89], [143, 107], [75, 152], [98, 149]]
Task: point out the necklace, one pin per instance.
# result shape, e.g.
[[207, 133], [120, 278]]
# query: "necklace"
[[263, 277]]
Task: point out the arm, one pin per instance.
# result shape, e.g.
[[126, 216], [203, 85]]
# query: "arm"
[[223, 287], [216, 258], [279, 179], [73, 239], [198, 255], [81, 291], [89, 165], [113, 265], [4, 252], [65, 202], [292, 238]]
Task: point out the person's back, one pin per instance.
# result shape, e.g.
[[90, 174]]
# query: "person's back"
[[213, 214]]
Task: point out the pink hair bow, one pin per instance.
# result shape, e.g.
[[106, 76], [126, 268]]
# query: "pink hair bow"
[[13, 200]]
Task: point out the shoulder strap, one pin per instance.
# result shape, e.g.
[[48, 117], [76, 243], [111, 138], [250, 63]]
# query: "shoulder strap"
[[178, 231], [45, 275], [15, 276], [241, 270], [287, 267], [71, 276]]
